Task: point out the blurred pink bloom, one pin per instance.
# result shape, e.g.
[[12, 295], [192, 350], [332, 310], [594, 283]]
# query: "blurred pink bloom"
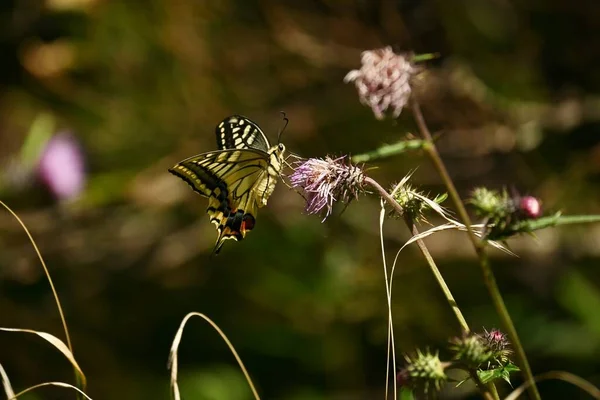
[[383, 81], [61, 167], [530, 206]]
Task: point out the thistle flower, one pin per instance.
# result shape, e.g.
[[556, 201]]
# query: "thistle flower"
[[61, 166], [481, 350], [383, 81], [325, 181], [423, 371], [498, 344]]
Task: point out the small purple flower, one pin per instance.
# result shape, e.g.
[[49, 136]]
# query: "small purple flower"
[[383, 81], [325, 181], [61, 166], [496, 340], [530, 207]]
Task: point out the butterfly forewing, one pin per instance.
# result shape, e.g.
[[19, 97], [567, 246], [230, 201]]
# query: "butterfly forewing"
[[238, 132]]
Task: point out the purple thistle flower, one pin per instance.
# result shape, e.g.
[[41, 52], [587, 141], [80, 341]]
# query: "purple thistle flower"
[[496, 340], [61, 166], [326, 181], [383, 81]]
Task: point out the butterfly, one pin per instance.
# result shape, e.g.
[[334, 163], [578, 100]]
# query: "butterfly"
[[238, 178]]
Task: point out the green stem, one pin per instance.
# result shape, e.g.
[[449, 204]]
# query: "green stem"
[[440, 279], [576, 219], [488, 391], [389, 150], [480, 249]]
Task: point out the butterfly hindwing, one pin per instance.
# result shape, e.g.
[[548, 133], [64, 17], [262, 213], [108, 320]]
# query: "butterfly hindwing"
[[238, 132]]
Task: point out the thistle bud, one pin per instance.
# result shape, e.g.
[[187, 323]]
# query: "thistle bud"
[[530, 207], [423, 372], [470, 349]]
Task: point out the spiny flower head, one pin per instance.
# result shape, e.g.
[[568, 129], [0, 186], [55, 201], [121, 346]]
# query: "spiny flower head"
[[481, 350], [471, 349], [413, 202], [505, 215], [325, 181], [498, 344], [383, 81], [423, 371], [490, 203]]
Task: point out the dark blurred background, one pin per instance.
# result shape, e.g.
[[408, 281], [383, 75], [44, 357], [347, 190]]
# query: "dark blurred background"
[[98, 98]]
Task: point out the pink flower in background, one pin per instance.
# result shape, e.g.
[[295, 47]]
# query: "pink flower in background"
[[383, 81], [61, 166]]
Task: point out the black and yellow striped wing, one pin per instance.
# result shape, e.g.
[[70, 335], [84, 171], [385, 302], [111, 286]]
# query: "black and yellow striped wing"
[[238, 132], [236, 182]]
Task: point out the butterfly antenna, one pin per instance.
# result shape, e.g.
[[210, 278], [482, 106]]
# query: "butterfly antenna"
[[285, 124]]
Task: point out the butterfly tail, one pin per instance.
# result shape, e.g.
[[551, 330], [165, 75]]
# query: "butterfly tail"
[[231, 224]]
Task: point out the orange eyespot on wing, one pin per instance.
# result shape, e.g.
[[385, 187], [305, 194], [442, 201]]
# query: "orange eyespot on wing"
[[231, 224]]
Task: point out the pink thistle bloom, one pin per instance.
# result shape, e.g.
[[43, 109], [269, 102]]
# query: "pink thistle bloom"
[[383, 81], [326, 181], [530, 207], [61, 166], [496, 340]]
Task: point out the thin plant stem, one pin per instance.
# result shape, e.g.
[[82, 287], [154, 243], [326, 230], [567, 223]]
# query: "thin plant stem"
[[439, 278], [480, 249], [489, 392]]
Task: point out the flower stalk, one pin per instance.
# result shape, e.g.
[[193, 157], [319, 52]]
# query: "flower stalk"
[[480, 249]]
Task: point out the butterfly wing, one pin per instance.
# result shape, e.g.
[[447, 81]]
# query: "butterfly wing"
[[236, 182], [238, 132]]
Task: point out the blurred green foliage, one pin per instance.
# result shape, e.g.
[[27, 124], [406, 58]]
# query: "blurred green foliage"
[[142, 85]]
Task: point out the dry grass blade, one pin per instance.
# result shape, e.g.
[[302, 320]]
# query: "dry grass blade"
[[173, 365], [59, 384], [426, 233], [47, 272], [391, 345], [6, 383], [434, 206], [581, 383], [56, 342], [400, 184]]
